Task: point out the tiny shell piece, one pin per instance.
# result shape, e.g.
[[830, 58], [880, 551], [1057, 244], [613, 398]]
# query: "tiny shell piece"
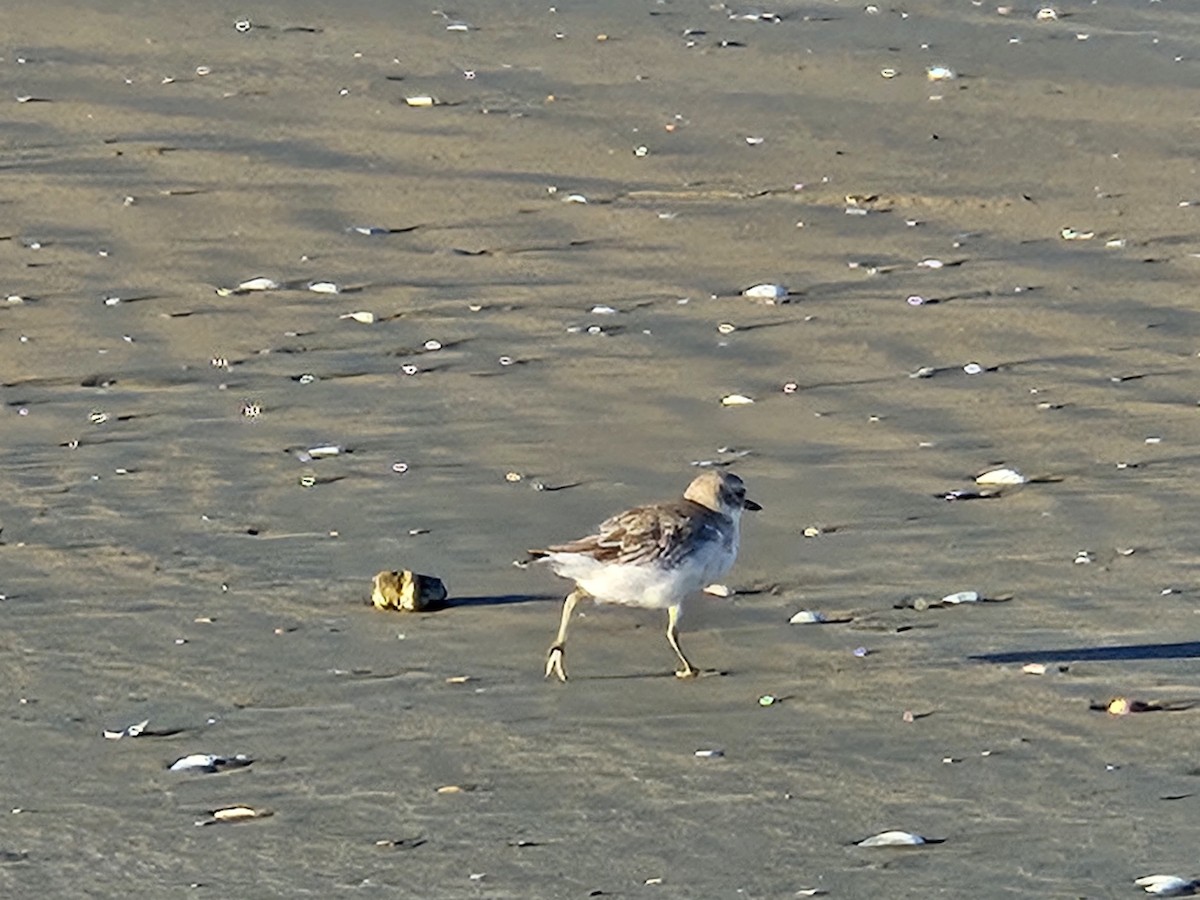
[[736, 400], [233, 813], [719, 590], [709, 754], [1034, 668], [421, 100], [766, 292], [407, 591], [807, 617], [324, 450], [973, 368], [1000, 476], [259, 284], [362, 317], [940, 73], [1047, 14], [1119, 706], [1166, 885], [892, 839], [324, 287]]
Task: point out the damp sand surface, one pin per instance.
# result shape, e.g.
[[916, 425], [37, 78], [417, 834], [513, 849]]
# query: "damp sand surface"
[[167, 556]]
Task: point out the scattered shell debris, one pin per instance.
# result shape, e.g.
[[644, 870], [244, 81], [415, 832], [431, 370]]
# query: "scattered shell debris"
[[407, 591], [1000, 477]]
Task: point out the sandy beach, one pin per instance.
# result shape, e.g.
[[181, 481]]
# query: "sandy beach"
[[538, 311]]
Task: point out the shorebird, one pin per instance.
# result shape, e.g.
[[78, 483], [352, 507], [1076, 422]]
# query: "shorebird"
[[653, 556]]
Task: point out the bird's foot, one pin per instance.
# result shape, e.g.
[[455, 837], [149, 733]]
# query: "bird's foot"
[[554, 664], [689, 672]]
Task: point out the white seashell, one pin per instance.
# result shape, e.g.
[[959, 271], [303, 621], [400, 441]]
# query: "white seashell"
[[719, 590], [369, 230], [1046, 14], [324, 287], [1034, 668], [366, 318], [1166, 885], [259, 284], [755, 141], [973, 368], [575, 198], [736, 400], [421, 100], [205, 762], [807, 617], [766, 292], [892, 839], [961, 597], [710, 754], [603, 311], [931, 264], [1001, 476], [324, 450], [940, 73], [888, 73], [235, 812], [432, 346]]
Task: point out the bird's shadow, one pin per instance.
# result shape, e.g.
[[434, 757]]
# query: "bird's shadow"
[[1124, 652], [499, 600]]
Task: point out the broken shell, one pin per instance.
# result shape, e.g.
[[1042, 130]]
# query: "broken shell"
[[324, 287], [129, 731], [719, 590], [407, 591], [1046, 14], [766, 292], [973, 368], [364, 318], [432, 346], [1166, 885], [231, 814], [1000, 476], [421, 100], [892, 839], [324, 450], [807, 617], [736, 400], [940, 73], [1034, 668], [726, 328], [709, 754], [961, 597], [209, 763], [258, 284]]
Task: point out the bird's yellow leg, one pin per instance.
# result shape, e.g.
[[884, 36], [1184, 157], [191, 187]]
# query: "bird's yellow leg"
[[688, 670], [554, 659]]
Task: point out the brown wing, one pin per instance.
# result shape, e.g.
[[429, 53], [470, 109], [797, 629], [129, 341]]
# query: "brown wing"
[[663, 533]]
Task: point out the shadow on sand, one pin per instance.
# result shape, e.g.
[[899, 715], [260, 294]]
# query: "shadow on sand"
[[1185, 650], [500, 600]]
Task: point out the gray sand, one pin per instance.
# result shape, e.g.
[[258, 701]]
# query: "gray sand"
[[172, 567]]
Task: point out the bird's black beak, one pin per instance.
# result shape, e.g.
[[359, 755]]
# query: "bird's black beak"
[[751, 505]]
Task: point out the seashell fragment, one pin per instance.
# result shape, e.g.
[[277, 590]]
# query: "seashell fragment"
[[1167, 885], [961, 597], [258, 284], [1046, 14], [709, 754], [766, 291], [407, 591], [369, 230], [325, 450], [1034, 668], [231, 814], [719, 590], [940, 73], [736, 400], [1119, 706], [1000, 476], [323, 287], [209, 763], [365, 318], [892, 839], [807, 617], [132, 731], [973, 368], [421, 100]]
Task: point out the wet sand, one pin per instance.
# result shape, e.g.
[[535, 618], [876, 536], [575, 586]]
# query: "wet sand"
[[171, 566]]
